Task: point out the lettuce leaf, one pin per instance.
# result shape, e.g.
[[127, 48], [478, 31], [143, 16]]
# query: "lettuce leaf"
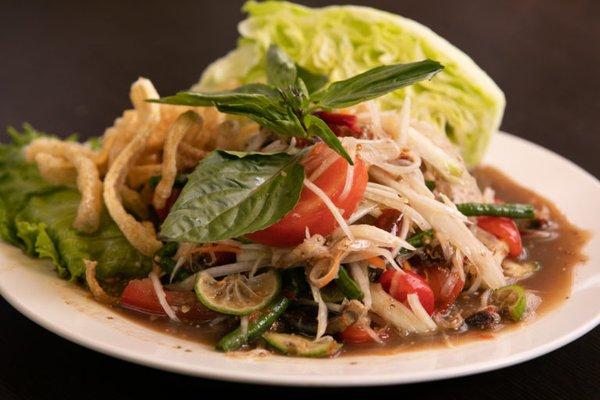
[[37, 217], [39, 244], [342, 41]]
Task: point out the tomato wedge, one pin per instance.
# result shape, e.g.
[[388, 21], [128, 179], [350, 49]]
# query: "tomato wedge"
[[390, 220], [445, 284], [355, 334], [310, 212], [139, 295], [341, 124], [504, 229], [399, 285]]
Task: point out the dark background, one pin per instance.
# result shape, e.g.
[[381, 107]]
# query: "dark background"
[[67, 66]]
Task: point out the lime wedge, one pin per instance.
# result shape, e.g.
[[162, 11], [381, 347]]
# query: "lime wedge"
[[296, 345], [512, 300], [237, 294]]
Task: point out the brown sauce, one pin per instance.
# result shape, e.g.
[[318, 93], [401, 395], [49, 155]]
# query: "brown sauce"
[[558, 256]]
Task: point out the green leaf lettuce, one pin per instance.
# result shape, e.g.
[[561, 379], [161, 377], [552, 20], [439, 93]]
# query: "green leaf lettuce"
[[37, 217]]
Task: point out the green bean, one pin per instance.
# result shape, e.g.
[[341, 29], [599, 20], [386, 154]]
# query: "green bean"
[[164, 256], [421, 238], [347, 285], [430, 185], [497, 210], [236, 339]]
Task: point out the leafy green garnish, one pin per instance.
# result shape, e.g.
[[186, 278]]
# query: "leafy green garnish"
[[259, 102], [316, 126], [281, 70], [312, 81], [230, 194], [286, 104], [375, 83], [37, 217], [38, 243]]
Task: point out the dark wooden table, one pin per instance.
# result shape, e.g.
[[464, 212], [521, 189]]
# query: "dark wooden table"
[[66, 67]]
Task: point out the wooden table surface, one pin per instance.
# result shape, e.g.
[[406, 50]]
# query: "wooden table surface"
[[66, 67]]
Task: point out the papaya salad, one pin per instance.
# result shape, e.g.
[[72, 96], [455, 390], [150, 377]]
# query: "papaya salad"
[[300, 201]]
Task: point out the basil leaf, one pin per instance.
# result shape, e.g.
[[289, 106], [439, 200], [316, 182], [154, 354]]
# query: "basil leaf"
[[231, 194], [261, 103], [312, 80], [374, 83], [281, 70], [317, 127]]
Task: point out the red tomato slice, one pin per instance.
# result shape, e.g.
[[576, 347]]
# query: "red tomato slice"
[[399, 285], [310, 212], [139, 295], [445, 292], [390, 221], [341, 124], [504, 229], [355, 334]]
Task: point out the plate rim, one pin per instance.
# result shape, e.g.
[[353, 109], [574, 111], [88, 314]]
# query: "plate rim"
[[249, 376]]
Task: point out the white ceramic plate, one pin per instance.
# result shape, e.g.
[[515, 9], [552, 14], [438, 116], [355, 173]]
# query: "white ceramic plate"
[[32, 287]]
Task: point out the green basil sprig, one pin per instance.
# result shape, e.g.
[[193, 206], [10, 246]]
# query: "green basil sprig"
[[230, 194], [312, 80], [257, 101], [281, 70], [286, 104], [374, 83]]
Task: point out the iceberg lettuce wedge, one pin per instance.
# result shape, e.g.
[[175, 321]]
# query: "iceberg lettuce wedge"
[[341, 41]]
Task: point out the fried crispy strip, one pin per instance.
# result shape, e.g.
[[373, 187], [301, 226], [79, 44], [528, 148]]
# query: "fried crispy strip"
[[90, 188], [119, 143], [149, 227], [168, 115], [133, 202], [185, 162], [232, 135], [206, 139], [55, 147], [69, 162], [188, 123], [325, 270], [140, 174], [147, 113], [187, 150], [188, 156], [108, 140], [136, 233], [149, 158], [97, 291], [55, 169]]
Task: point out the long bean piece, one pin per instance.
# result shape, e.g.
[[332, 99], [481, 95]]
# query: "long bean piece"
[[347, 285], [421, 238], [509, 210], [236, 339]]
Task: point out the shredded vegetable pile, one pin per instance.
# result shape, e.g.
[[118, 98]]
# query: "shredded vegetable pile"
[[294, 211]]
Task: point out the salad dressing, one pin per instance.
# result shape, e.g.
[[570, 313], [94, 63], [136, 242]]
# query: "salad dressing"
[[557, 255]]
